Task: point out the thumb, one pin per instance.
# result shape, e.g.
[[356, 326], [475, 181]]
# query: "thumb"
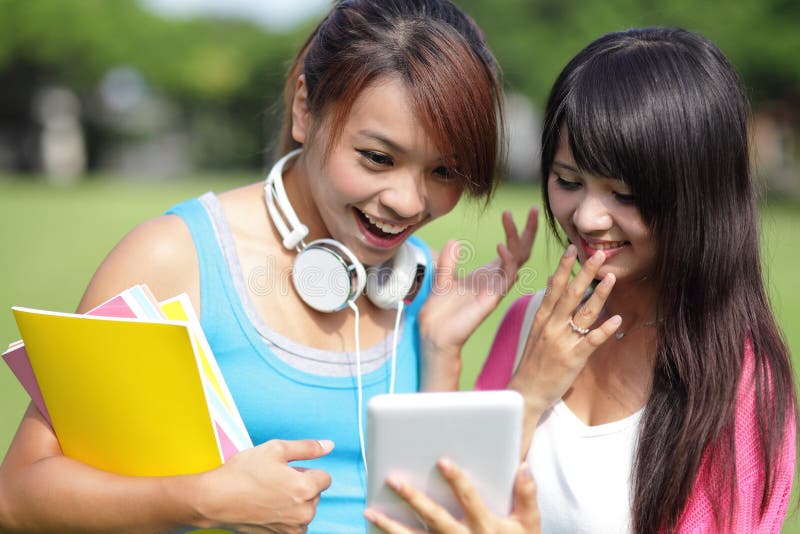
[[526, 509], [305, 449]]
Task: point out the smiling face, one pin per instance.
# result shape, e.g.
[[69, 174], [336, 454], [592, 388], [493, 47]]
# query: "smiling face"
[[599, 213], [382, 180]]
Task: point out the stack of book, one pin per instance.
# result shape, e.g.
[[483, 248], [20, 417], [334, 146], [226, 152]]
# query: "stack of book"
[[132, 387]]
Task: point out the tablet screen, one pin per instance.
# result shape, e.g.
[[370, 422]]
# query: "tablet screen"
[[407, 434]]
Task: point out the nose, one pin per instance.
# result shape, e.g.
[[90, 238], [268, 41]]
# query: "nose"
[[406, 195], [591, 215]]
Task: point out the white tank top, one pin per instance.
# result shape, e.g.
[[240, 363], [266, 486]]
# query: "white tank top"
[[583, 473]]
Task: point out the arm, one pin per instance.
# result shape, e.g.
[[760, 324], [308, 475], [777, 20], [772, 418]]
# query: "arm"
[[41, 490], [459, 304]]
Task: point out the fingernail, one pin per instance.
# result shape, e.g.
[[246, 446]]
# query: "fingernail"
[[598, 256], [445, 465], [616, 320], [326, 444], [393, 482], [609, 279], [370, 515], [570, 252]]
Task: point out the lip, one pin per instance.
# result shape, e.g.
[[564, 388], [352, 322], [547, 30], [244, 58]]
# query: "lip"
[[378, 241], [609, 252]]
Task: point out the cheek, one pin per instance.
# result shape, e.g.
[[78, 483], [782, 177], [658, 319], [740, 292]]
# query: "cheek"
[[443, 198], [344, 179], [560, 206]]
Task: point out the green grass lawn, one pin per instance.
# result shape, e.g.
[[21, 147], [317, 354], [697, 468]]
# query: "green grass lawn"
[[52, 240]]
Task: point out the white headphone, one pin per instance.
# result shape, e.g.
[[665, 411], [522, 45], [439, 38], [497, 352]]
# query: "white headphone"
[[326, 274]]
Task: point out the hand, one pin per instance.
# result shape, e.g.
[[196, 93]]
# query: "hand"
[[555, 354], [458, 305], [524, 517], [256, 491]]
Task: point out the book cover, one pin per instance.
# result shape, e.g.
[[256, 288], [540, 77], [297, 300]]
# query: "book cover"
[[123, 395]]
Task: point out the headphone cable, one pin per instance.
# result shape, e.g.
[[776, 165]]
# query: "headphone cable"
[[360, 389], [394, 345]]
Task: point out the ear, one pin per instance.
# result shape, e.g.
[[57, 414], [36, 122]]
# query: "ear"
[[301, 117]]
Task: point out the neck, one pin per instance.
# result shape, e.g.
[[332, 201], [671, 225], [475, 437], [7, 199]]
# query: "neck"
[[298, 190], [635, 302]]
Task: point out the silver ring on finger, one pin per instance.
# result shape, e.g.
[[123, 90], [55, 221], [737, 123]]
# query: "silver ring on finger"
[[577, 329]]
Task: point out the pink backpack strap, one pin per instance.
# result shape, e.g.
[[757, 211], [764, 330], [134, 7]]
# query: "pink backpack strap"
[[499, 365]]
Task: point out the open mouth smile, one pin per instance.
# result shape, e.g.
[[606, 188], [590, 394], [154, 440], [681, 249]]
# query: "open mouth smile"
[[380, 233], [610, 248]]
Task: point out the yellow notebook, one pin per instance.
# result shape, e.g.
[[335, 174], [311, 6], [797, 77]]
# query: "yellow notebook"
[[124, 395]]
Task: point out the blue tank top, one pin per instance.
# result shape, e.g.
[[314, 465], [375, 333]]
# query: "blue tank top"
[[278, 401]]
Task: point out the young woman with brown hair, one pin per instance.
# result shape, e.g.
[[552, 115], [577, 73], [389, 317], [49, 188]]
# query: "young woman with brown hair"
[[395, 109]]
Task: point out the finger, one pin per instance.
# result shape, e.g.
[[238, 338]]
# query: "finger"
[[576, 289], [448, 260], [558, 281], [512, 236], [319, 479], [432, 514], [304, 449], [508, 261], [384, 523], [590, 310], [529, 232], [505, 277], [525, 506], [600, 335], [475, 511]]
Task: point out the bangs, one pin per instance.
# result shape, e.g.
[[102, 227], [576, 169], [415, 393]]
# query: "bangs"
[[615, 117], [464, 120], [630, 115], [454, 88]]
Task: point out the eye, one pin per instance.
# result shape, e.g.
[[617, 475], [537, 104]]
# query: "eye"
[[443, 174], [376, 159], [566, 184], [623, 198]]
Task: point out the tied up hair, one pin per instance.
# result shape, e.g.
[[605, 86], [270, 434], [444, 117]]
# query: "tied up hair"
[[440, 55]]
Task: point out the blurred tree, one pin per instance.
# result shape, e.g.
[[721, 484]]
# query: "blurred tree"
[[533, 40], [222, 74], [223, 78]]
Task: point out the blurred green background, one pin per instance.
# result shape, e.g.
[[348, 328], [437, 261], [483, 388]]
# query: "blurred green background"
[[113, 111]]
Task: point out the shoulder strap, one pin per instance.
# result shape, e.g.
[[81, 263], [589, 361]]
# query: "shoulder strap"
[[527, 322]]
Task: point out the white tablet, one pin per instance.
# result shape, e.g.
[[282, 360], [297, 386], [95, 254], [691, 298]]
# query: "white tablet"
[[481, 431]]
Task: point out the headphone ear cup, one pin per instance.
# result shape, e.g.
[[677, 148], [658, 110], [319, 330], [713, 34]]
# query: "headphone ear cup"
[[398, 279], [327, 276]]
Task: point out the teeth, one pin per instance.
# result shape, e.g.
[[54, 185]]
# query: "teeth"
[[606, 246], [385, 227]]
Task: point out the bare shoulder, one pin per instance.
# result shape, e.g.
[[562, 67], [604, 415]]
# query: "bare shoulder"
[[159, 252]]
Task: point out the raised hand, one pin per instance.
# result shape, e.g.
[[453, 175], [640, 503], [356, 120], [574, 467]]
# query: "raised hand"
[[523, 519], [256, 491], [459, 304], [561, 337]]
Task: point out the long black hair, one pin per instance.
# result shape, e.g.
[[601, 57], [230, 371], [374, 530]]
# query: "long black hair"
[[663, 110]]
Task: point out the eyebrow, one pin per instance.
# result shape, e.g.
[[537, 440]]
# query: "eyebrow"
[[557, 163], [577, 171], [384, 140]]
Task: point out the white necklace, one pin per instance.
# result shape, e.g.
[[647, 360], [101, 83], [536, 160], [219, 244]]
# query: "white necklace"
[[619, 335]]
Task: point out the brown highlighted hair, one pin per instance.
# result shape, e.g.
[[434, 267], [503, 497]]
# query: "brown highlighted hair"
[[436, 50]]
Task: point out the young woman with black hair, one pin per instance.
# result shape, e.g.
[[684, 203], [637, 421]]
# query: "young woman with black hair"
[[393, 111], [660, 392]]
